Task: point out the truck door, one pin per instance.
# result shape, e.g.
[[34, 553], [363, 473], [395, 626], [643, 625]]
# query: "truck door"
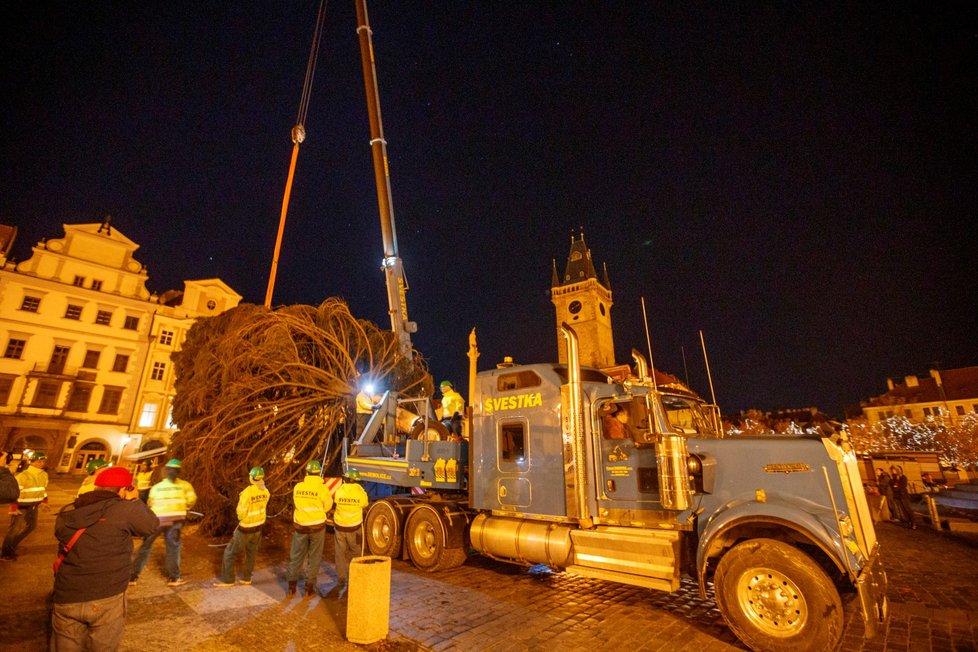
[[627, 455]]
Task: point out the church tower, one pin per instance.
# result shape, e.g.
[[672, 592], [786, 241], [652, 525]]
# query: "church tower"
[[585, 303]]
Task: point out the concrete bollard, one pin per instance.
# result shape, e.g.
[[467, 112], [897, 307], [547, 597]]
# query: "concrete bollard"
[[368, 600]]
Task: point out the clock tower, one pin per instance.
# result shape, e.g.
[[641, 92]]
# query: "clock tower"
[[585, 303]]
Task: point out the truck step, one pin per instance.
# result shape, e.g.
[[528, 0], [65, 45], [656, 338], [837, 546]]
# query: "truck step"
[[647, 558]]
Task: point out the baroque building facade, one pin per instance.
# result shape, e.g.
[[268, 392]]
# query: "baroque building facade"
[[944, 395], [85, 371]]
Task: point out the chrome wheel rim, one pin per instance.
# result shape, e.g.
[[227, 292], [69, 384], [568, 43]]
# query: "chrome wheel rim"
[[772, 602]]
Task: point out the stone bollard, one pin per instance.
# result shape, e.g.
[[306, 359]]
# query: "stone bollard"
[[935, 519], [368, 602]]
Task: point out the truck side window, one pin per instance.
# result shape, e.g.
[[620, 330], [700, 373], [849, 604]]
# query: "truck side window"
[[512, 443]]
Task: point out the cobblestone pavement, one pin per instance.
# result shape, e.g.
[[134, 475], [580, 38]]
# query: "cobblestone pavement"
[[484, 605]]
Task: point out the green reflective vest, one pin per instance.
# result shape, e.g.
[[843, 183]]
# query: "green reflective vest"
[[252, 504], [312, 500], [171, 500], [350, 500]]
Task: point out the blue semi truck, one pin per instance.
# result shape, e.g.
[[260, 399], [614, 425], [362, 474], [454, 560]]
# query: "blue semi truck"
[[780, 526]]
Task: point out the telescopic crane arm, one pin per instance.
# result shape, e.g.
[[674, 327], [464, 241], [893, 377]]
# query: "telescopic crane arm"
[[393, 268]]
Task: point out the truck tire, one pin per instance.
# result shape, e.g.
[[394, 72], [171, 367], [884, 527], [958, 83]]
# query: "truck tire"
[[383, 530], [436, 431], [425, 539], [775, 597]]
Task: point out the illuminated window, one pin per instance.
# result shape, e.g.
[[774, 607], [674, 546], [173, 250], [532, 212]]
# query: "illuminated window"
[[79, 281], [147, 418], [96, 284], [79, 398], [103, 317], [121, 363], [166, 337], [111, 398], [30, 304], [46, 395], [73, 311], [6, 385], [15, 349], [132, 323], [91, 359], [159, 368]]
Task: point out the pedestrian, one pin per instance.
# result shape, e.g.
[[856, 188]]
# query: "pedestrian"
[[144, 480], [452, 407], [92, 468], [170, 499], [312, 501], [94, 562], [350, 500], [251, 516], [901, 493], [33, 483], [884, 481], [366, 404]]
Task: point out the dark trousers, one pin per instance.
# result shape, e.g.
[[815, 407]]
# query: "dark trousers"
[[21, 525]]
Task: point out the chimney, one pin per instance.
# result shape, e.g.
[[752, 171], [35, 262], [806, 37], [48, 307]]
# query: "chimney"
[[889, 384], [911, 381], [936, 375]]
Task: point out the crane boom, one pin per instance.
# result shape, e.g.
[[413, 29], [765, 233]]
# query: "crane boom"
[[392, 265]]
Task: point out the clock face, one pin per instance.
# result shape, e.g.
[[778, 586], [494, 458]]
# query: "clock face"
[[574, 307]]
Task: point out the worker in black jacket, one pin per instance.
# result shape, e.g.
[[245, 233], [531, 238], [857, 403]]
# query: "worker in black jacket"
[[95, 562]]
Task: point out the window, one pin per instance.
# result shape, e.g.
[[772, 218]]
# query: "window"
[[96, 284], [58, 358], [512, 444], [79, 281], [121, 362], [46, 394], [111, 398], [91, 359], [6, 386], [79, 398], [166, 337], [926, 412], [159, 368], [147, 418], [170, 423], [132, 323], [15, 349], [103, 317], [30, 304], [73, 311], [959, 409]]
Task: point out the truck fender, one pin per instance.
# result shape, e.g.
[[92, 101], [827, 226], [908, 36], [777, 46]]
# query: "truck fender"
[[740, 519], [454, 522]]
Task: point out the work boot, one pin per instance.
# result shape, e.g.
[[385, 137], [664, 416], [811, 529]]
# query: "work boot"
[[291, 590], [311, 589]]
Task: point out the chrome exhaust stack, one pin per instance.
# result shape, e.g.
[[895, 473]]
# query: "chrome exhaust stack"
[[573, 423]]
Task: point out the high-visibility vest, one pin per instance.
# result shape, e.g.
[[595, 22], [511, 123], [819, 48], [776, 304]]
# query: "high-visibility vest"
[[171, 500], [144, 480], [365, 403], [451, 402], [251, 505], [350, 500], [312, 500], [33, 483], [88, 484]]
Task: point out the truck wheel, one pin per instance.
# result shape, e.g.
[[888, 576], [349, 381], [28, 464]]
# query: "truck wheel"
[[775, 597], [436, 431], [425, 538], [383, 530]]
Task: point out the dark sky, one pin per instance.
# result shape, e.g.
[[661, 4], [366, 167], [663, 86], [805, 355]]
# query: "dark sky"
[[798, 180]]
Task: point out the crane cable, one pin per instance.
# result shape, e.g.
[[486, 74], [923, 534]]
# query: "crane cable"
[[298, 135]]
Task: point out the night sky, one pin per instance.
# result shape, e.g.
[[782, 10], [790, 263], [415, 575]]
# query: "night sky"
[[798, 180]]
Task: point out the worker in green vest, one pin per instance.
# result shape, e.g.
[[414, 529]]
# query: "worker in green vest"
[[350, 499], [251, 516]]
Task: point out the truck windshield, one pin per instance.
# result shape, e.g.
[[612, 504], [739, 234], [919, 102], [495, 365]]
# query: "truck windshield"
[[686, 416]]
